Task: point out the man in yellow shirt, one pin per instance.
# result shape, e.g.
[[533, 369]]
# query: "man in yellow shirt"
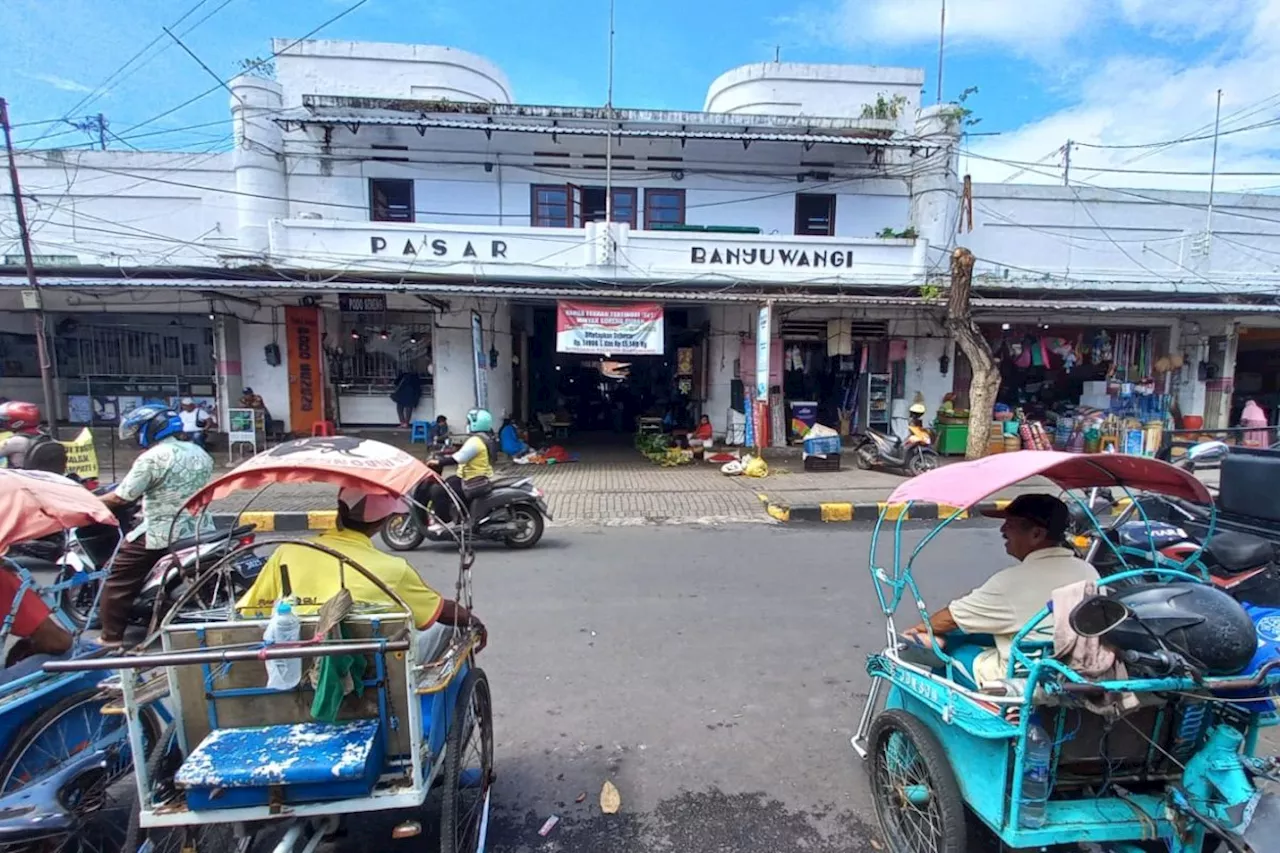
[[313, 577]]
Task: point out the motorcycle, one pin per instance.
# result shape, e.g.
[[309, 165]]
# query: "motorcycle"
[[913, 455], [512, 513]]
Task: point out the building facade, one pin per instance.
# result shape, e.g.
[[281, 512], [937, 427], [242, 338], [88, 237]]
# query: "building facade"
[[391, 209]]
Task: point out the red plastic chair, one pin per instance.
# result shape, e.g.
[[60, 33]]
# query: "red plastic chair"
[[322, 428]]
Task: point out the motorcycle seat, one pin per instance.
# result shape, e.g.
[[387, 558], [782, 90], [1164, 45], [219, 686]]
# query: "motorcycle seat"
[[1239, 552], [213, 537]]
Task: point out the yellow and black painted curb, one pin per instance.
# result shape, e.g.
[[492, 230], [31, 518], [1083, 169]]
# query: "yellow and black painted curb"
[[282, 522], [842, 512]]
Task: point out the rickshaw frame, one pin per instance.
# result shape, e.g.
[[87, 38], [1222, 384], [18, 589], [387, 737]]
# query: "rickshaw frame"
[[970, 725], [435, 683]]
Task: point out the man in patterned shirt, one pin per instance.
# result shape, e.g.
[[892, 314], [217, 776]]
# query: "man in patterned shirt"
[[166, 475]]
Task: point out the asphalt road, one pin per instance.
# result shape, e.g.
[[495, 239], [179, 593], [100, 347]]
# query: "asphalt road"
[[714, 675]]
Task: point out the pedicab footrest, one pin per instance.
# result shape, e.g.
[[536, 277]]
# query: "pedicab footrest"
[[302, 763]]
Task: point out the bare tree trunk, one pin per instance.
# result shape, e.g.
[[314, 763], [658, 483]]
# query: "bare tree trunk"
[[986, 378]]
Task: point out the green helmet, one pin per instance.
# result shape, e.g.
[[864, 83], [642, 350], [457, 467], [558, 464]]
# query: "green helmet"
[[479, 420]]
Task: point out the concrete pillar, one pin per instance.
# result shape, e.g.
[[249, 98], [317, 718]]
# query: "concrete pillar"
[[228, 378], [258, 160], [935, 186]]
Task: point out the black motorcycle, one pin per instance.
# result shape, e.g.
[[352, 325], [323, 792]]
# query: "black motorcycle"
[[512, 512]]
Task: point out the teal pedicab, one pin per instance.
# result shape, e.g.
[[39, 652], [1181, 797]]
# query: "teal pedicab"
[[244, 763], [1161, 760]]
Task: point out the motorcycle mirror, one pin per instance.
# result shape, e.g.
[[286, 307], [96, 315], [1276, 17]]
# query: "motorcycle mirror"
[[1098, 616], [1208, 451]]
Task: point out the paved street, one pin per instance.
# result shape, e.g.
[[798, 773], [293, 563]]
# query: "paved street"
[[715, 675]]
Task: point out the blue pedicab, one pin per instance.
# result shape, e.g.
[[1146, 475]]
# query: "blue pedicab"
[[1170, 768], [244, 764], [63, 757]]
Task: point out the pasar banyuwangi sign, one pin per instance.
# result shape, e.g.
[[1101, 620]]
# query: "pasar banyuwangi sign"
[[761, 257]]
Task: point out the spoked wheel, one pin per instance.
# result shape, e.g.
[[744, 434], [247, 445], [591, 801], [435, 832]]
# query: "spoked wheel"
[[468, 766], [99, 798], [402, 533], [212, 838], [531, 526], [917, 800]]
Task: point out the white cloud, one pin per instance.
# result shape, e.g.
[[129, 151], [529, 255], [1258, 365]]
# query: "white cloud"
[[63, 83]]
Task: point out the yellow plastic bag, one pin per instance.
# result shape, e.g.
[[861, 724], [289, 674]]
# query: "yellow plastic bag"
[[757, 467]]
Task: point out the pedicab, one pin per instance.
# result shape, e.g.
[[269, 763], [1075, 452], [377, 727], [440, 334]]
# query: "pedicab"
[[244, 764], [1162, 758], [62, 760]]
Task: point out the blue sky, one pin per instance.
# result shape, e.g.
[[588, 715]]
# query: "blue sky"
[[1098, 71]]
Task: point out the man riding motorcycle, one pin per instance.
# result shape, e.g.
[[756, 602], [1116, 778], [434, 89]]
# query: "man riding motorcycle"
[[31, 448], [475, 467], [169, 471]]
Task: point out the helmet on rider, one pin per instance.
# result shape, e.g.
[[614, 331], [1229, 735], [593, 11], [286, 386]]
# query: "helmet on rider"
[[149, 424], [917, 409], [17, 416], [479, 420]]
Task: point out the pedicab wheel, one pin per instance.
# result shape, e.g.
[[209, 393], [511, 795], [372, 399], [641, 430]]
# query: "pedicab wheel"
[[98, 798], [402, 533], [917, 801], [163, 763], [531, 526], [468, 766]]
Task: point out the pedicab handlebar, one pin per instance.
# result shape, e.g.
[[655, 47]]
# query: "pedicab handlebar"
[[303, 650]]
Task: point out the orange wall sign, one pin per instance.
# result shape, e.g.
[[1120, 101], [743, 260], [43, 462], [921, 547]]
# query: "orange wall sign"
[[306, 378]]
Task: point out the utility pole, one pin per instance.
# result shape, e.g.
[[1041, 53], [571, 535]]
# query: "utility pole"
[[608, 139], [35, 300], [1066, 164], [102, 132], [1213, 171], [942, 41]]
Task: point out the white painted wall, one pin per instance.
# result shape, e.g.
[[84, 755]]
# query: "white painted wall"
[[728, 324], [454, 376]]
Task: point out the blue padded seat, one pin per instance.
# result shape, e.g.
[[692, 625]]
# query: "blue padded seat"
[[303, 762]]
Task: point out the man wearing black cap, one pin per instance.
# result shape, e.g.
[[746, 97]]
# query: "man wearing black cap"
[[1034, 531]]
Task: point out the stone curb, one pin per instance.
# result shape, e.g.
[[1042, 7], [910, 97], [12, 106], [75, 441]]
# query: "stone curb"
[[866, 513], [283, 522]]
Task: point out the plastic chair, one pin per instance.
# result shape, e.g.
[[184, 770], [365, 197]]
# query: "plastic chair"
[[419, 432], [322, 428]]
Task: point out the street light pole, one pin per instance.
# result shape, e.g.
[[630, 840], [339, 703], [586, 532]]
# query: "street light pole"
[[35, 300]]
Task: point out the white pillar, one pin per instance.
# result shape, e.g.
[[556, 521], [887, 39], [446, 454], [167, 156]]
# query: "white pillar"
[[258, 160], [935, 186]]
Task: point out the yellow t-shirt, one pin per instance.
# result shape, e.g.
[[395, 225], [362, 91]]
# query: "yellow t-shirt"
[[473, 459], [314, 579]]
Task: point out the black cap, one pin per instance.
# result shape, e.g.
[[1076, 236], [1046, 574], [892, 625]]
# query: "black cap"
[[1041, 510]]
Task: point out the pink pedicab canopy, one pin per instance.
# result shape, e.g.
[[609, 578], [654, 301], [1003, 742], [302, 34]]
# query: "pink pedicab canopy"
[[337, 460], [34, 504], [964, 484]]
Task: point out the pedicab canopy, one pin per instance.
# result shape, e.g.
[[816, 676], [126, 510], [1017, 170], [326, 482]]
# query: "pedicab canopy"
[[964, 484], [34, 504], [336, 460]]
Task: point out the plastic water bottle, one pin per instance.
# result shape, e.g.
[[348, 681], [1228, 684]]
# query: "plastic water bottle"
[[284, 627], [1035, 775]]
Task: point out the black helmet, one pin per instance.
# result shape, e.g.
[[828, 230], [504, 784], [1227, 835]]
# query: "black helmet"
[[1204, 624]]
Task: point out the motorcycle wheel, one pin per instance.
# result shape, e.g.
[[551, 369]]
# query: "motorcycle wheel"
[[920, 462], [864, 456], [402, 533], [533, 526], [77, 601]]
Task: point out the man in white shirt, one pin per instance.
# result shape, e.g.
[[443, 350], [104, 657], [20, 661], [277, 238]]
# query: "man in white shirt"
[[194, 421], [1034, 532]]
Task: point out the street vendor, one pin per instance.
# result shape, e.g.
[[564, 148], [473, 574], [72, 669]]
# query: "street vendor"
[[314, 577], [977, 629]]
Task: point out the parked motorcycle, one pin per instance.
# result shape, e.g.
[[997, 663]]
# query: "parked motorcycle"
[[912, 455], [512, 513]]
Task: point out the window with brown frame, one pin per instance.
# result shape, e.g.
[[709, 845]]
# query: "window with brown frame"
[[571, 206], [663, 207], [390, 200], [815, 215]]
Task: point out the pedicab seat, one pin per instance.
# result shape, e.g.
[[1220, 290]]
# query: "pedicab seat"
[[291, 763]]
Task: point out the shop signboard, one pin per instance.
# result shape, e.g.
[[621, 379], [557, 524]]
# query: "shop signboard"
[[306, 377], [480, 360], [632, 329], [763, 333], [362, 303]]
